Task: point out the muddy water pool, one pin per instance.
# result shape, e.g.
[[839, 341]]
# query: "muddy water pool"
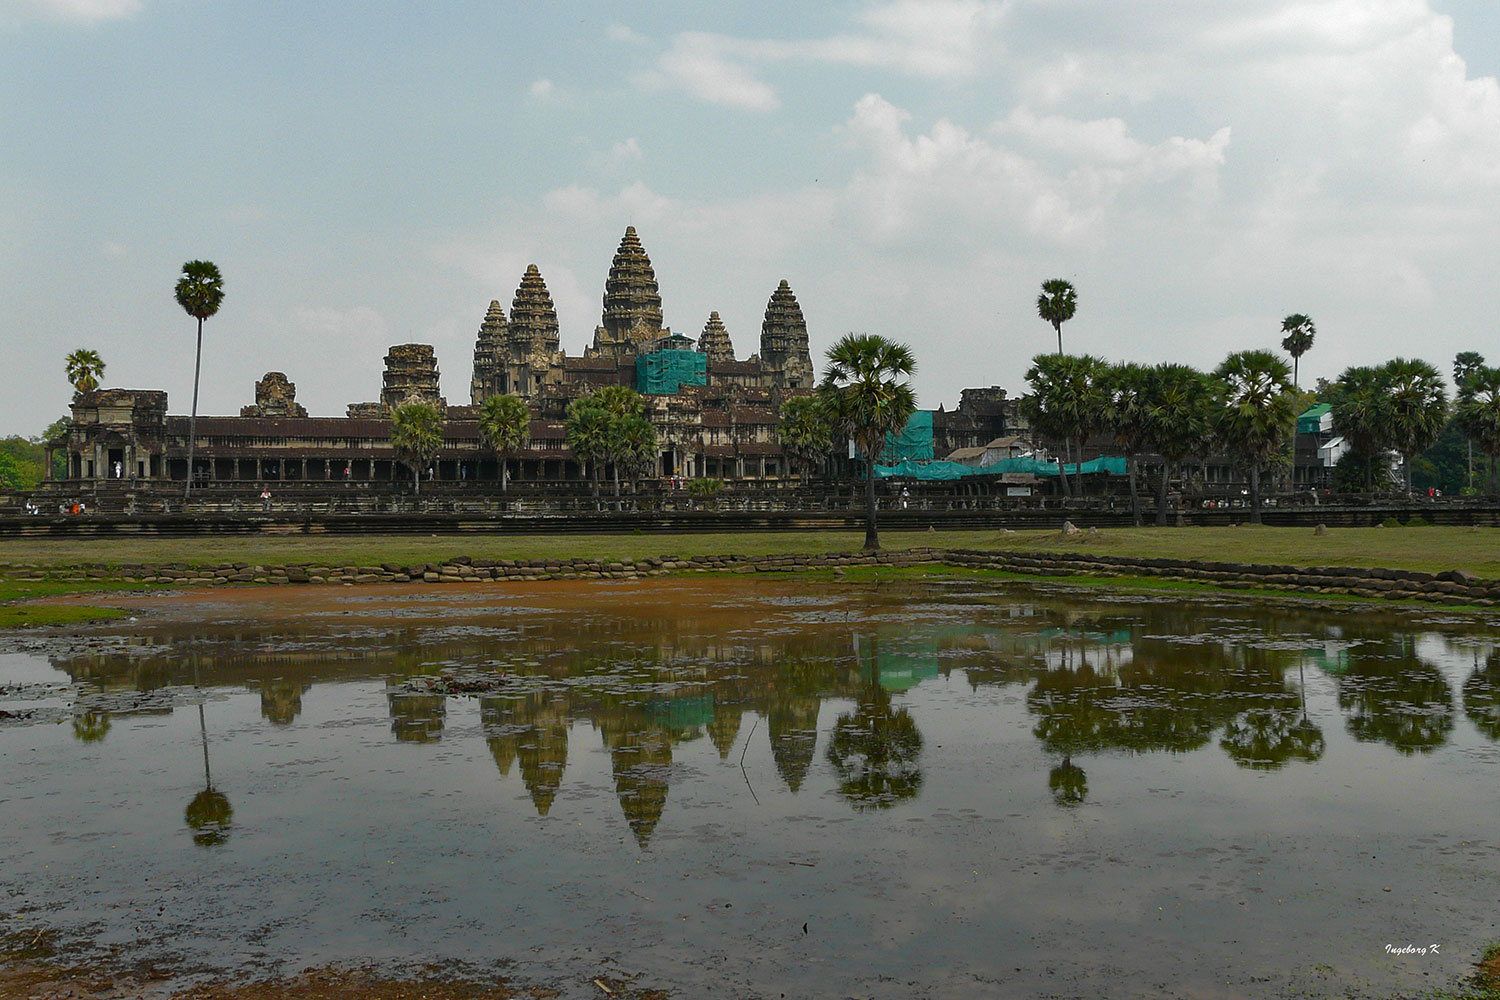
[[763, 787]]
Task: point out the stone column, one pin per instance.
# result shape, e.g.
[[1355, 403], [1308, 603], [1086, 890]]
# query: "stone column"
[[47, 469]]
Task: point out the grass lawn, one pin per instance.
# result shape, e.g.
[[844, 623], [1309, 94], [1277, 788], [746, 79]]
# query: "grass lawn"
[[1426, 548]]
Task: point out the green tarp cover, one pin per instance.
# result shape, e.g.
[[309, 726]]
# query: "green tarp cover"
[[1308, 422], [664, 372], [913, 443], [945, 471]]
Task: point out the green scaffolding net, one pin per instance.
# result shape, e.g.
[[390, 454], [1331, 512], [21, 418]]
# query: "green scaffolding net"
[[664, 372]]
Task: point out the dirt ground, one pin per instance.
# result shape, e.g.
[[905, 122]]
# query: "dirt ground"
[[31, 981]]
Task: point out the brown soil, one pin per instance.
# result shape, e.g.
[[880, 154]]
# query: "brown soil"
[[25, 981]]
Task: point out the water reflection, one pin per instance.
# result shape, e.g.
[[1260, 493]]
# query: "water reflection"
[[1098, 678], [209, 813], [876, 749]]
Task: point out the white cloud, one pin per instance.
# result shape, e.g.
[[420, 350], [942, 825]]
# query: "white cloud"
[[627, 151], [704, 66], [624, 35], [84, 11], [541, 89]]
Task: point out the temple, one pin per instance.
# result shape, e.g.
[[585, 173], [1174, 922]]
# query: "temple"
[[715, 414]]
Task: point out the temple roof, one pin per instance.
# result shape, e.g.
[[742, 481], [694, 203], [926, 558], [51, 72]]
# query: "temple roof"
[[714, 341], [532, 315], [632, 300]]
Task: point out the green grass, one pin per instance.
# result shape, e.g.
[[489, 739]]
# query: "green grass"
[[37, 615], [1432, 548]]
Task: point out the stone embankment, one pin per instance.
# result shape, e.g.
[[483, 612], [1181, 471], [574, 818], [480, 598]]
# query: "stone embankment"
[[1452, 587]]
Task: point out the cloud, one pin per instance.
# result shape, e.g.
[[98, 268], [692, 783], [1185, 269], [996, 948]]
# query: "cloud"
[[934, 39], [625, 152], [86, 12], [624, 35], [541, 89], [705, 66]]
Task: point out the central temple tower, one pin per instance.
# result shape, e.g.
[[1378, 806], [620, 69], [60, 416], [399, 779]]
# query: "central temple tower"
[[632, 303]]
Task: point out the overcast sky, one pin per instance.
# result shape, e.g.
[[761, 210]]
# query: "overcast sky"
[[374, 173]]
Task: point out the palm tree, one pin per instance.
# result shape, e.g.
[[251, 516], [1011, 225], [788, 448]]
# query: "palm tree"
[[84, 368], [1057, 304], [866, 401], [1416, 406], [1359, 415], [1126, 404], [803, 429], [1299, 332], [200, 292], [587, 425], [1068, 400], [504, 427], [623, 438], [417, 436], [634, 446], [1256, 408], [1180, 409], [1466, 363], [1478, 411]]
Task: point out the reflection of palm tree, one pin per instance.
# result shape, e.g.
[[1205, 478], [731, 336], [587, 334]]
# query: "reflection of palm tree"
[[1266, 737], [1396, 698], [1068, 784], [91, 726], [209, 813], [875, 750], [1482, 697]]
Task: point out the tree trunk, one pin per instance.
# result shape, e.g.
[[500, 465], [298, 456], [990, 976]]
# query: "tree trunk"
[[416, 480], [594, 476], [1406, 472], [1135, 496], [193, 417], [1161, 497], [1058, 327], [504, 475], [1255, 494], [872, 536]]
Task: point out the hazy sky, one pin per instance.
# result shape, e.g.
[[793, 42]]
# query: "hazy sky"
[[374, 173]]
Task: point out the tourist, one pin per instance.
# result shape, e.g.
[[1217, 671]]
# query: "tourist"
[[265, 499]]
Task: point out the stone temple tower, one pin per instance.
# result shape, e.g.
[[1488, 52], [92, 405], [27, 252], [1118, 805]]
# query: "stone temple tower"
[[411, 375], [531, 340], [714, 341], [632, 303], [783, 342], [489, 356]]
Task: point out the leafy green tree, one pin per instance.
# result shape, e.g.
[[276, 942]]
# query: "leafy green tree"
[[10, 474], [84, 369], [1478, 413], [1068, 400], [804, 430], [417, 437], [1255, 415], [1359, 415], [200, 292], [588, 427], [1299, 332], [867, 398], [1179, 417], [627, 443], [1465, 363], [1057, 304], [504, 428], [1416, 408], [1126, 390]]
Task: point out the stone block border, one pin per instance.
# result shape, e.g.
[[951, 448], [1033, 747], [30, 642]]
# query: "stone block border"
[[1453, 587]]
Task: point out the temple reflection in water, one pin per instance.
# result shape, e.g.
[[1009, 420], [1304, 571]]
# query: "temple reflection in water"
[[1097, 678]]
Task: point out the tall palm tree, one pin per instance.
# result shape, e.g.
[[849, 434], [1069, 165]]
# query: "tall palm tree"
[[868, 398], [1125, 418], [1359, 415], [1466, 363], [1068, 400], [587, 425], [200, 292], [1257, 406], [417, 437], [84, 368], [1478, 411], [1416, 405], [1057, 304], [804, 432], [1299, 332], [623, 439], [1180, 410], [504, 427]]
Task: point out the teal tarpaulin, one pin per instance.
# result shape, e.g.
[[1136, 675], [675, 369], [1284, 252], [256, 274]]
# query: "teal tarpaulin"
[[662, 373], [914, 443], [946, 471]]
